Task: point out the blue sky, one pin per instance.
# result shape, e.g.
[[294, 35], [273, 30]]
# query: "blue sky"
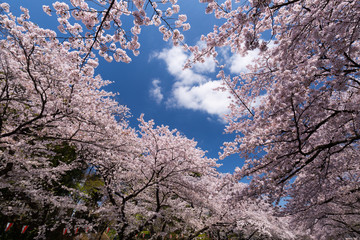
[[154, 83]]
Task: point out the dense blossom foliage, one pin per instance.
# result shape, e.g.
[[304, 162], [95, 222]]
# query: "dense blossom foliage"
[[302, 140], [53, 117], [159, 187], [169, 186]]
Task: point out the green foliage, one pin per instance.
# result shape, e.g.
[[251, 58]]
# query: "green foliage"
[[203, 236], [195, 174], [91, 186], [64, 152], [139, 217]]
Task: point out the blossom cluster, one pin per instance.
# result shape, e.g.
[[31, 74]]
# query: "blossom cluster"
[[104, 30]]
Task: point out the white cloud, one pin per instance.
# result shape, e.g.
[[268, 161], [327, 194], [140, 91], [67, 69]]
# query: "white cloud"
[[175, 59], [206, 67], [192, 88], [238, 63], [155, 91], [202, 97]]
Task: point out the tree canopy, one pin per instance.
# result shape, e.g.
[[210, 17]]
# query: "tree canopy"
[[70, 159]]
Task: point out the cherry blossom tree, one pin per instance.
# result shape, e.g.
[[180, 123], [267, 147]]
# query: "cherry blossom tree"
[[232, 215], [54, 118], [169, 188], [301, 142], [160, 187]]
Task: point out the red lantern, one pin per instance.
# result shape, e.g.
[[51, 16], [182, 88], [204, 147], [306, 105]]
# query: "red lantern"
[[8, 226], [24, 228]]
